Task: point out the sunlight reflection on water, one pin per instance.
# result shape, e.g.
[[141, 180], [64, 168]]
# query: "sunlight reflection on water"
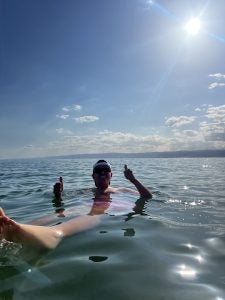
[[186, 272]]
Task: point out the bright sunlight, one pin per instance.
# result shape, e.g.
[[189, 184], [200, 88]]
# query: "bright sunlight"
[[193, 26]]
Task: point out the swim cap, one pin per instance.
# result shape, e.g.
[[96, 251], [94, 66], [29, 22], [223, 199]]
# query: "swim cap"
[[101, 164]]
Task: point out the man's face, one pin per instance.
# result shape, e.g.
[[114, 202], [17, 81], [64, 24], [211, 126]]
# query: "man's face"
[[102, 176]]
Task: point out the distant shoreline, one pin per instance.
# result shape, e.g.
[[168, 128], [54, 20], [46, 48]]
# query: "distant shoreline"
[[169, 154], [166, 154]]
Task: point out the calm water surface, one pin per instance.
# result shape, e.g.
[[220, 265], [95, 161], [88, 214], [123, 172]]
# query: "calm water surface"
[[174, 249]]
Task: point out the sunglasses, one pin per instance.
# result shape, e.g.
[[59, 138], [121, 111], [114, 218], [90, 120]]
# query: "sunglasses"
[[102, 169]]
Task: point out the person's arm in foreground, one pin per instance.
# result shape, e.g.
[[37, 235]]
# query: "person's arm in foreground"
[[44, 237], [143, 191]]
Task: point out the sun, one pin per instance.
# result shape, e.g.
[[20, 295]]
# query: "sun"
[[193, 26]]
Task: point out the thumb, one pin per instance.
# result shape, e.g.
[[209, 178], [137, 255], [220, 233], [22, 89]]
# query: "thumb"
[[125, 167], [2, 214]]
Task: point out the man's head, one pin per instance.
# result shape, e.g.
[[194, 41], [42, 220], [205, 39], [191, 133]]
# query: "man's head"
[[102, 174]]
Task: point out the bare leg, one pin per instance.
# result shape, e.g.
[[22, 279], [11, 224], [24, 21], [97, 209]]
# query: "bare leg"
[[44, 237], [40, 236]]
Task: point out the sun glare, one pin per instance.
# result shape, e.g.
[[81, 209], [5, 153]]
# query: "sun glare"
[[193, 26]]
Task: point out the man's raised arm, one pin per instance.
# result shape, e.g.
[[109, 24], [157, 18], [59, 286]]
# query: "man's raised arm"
[[143, 191]]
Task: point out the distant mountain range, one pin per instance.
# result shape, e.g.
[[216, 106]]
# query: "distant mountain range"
[[169, 154]]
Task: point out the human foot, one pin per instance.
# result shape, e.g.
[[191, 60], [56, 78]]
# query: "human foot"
[[8, 227]]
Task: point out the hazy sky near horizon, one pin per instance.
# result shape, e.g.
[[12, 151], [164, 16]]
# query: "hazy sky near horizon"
[[110, 76]]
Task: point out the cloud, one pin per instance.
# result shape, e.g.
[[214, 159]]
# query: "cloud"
[[75, 107], [186, 135], [179, 121], [107, 141], [217, 75], [216, 136], [64, 117], [66, 108], [198, 109], [213, 131], [216, 113], [190, 133], [214, 128], [208, 136], [86, 119], [63, 131], [215, 85]]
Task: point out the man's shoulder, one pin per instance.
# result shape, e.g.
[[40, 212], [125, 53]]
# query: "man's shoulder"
[[113, 189]]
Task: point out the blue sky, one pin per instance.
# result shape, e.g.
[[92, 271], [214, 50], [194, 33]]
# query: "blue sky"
[[110, 76]]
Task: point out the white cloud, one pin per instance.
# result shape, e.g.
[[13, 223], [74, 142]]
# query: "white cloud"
[[64, 117], [179, 121], [211, 127], [187, 136], [190, 133], [217, 75], [198, 109], [86, 119], [215, 85], [107, 141], [66, 108], [214, 128], [75, 107], [213, 131], [63, 131], [216, 113], [216, 136], [110, 142], [208, 136]]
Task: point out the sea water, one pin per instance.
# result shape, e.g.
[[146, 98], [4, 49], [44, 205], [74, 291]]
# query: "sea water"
[[174, 248]]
